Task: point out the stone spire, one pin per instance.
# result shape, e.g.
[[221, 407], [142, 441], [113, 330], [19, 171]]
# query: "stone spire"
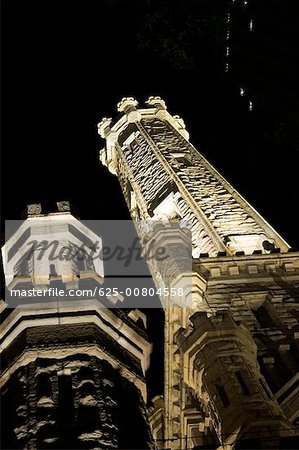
[[231, 351], [167, 168]]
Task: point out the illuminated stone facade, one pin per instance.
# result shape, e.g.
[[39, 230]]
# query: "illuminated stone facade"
[[72, 370], [232, 360]]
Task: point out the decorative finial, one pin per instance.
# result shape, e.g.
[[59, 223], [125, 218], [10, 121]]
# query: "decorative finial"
[[34, 210], [156, 101], [126, 104], [64, 206], [104, 127]]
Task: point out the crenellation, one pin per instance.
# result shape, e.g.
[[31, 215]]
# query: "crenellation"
[[69, 368]]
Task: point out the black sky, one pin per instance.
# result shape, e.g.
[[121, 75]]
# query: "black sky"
[[66, 64]]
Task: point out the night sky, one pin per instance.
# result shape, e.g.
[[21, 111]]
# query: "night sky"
[[66, 64]]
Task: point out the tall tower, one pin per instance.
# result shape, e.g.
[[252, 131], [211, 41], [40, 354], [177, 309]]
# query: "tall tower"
[[73, 369], [232, 360]]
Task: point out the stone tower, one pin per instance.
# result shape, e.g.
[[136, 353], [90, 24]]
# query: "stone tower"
[[72, 368], [232, 360]]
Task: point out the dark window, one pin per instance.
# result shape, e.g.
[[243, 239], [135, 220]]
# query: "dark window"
[[266, 388], [242, 383], [43, 385], [184, 161], [53, 270], [85, 373], [263, 317], [222, 394], [20, 242], [65, 413]]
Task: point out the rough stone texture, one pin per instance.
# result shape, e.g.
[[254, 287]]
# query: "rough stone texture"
[[72, 370], [227, 377], [152, 159], [216, 202], [147, 171], [77, 402], [158, 168]]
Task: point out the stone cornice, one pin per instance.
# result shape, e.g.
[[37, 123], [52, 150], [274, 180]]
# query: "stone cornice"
[[285, 265], [122, 333]]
